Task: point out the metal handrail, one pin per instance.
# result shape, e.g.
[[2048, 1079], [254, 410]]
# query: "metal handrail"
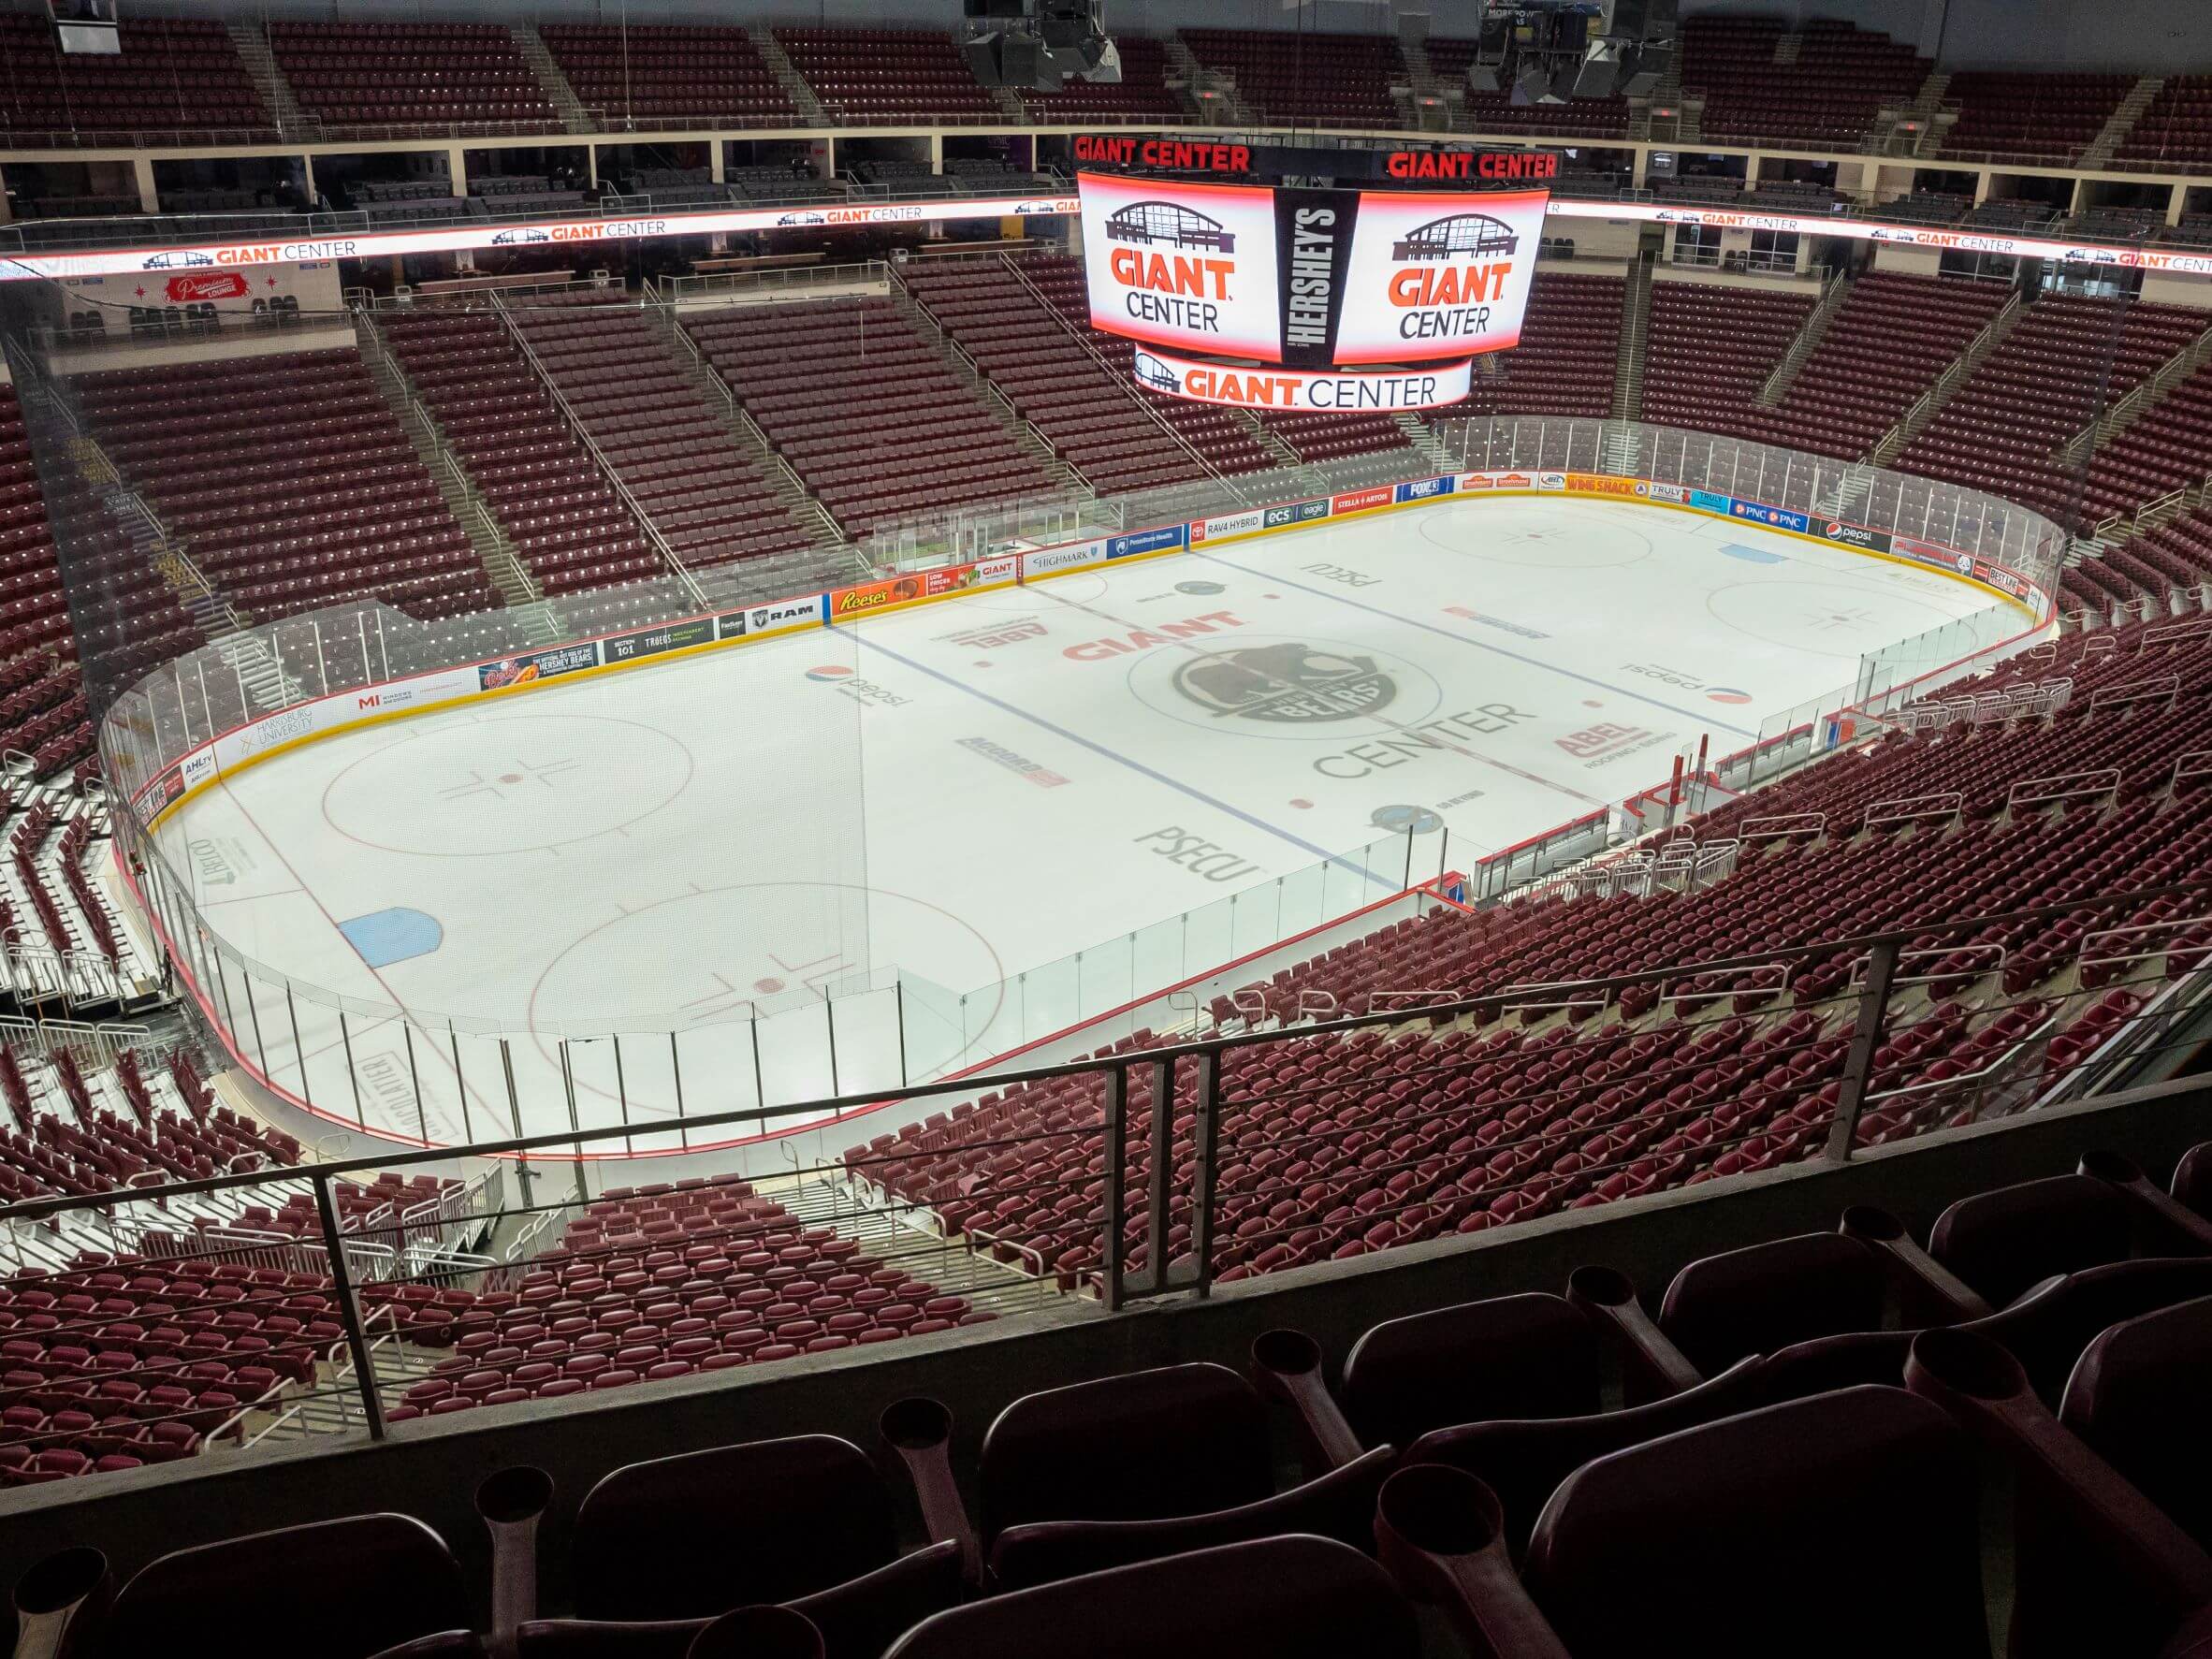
[[659, 543], [1013, 267], [831, 1109]]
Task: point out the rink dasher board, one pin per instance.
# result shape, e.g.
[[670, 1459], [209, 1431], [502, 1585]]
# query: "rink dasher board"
[[246, 745]]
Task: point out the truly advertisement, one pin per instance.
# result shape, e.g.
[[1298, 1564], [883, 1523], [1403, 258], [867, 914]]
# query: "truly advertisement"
[[1779, 517], [1184, 265], [1145, 541], [1321, 392], [652, 641], [1436, 275], [532, 666], [1706, 501], [1672, 494]]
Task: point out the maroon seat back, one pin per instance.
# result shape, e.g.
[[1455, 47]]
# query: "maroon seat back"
[[345, 1589], [1338, 1505], [1700, 1541], [2192, 1178], [1286, 1598], [2002, 1242], [1509, 1357], [2139, 1398], [1177, 1441], [857, 1620], [1763, 1297], [695, 1535], [1524, 1459]]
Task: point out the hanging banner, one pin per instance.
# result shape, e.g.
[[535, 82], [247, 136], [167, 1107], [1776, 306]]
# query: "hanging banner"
[[1334, 391]]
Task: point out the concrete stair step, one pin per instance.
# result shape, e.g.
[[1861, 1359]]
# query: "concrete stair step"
[[575, 117]]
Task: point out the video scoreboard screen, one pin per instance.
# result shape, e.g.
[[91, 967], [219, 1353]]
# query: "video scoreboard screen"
[[1309, 278]]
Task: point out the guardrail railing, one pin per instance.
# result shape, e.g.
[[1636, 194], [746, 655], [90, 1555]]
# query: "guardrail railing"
[[1152, 1176]]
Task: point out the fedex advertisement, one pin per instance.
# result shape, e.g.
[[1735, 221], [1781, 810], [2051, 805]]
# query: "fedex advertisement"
[[1191, 265]]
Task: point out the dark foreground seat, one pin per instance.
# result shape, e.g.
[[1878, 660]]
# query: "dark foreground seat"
[[343, 1588], [1700, 1541], [1284, 1598], [1128, 1468]]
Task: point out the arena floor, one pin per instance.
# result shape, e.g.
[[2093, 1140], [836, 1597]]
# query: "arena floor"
[[966, 792]]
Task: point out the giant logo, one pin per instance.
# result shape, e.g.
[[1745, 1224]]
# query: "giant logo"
[[1159, 376], [1286, 684]]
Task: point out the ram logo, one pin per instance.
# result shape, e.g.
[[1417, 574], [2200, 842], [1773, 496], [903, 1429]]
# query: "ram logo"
[[1156, 375], [1456, 236], [1150, 222]]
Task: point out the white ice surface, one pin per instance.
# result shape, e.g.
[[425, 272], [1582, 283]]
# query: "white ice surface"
[[672, 846]]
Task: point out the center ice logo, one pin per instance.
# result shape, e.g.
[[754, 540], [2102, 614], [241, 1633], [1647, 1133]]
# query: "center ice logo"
[[1287, 684]]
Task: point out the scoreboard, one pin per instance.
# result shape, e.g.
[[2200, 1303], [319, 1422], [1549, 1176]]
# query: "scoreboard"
[[1312, 279]]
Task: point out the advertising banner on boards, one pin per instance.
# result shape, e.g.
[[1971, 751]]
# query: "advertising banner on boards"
[[670, 636], [1043, 561], [1283, 513], [1855, 535], [535, 665], [1780, 518]]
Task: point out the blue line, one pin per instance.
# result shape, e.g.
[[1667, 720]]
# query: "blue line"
[[1694, 716], [1393, 883]]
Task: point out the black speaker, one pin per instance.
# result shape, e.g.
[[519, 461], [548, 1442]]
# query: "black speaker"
[[1596, 75], [982, 51], [1640, 78], [991, 8], [1022, 61]]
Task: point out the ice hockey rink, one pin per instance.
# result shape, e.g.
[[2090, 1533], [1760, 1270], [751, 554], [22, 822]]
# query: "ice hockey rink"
[[924, 816]]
